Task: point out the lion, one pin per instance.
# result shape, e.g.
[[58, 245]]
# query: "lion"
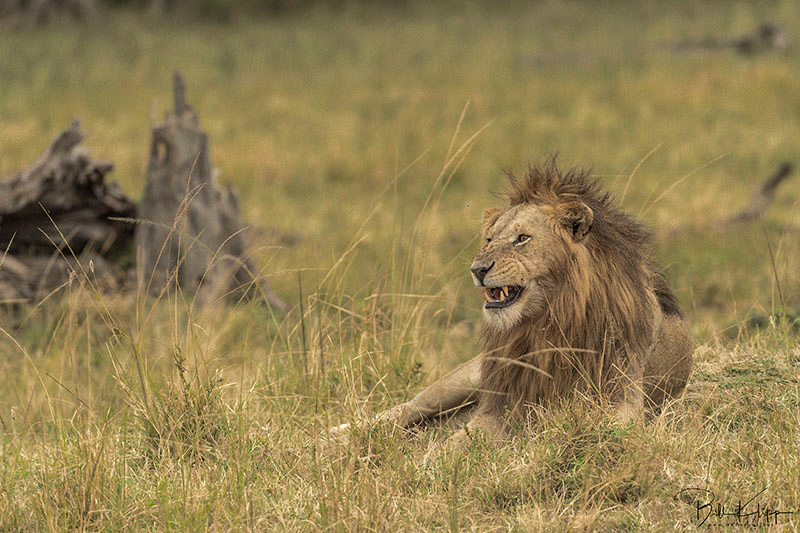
[[573, 302]]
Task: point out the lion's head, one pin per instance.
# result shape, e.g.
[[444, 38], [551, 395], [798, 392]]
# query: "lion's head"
[[558, 233], [524, 250]]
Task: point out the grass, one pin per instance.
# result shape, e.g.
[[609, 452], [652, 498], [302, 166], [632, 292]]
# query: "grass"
[[365, 145]]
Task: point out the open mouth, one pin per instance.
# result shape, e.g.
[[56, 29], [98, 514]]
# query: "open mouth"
[[497, 297]]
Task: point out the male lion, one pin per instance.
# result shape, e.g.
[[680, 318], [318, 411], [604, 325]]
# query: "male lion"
[[574, 302]]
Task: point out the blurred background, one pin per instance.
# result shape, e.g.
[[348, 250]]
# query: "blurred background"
[[319, 111]]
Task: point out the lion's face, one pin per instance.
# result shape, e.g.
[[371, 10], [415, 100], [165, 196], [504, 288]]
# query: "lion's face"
[[524, 250]]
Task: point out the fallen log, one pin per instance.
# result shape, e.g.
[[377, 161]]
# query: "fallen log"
[[64, 192], [58, 212], [189, 231], [29, 278]]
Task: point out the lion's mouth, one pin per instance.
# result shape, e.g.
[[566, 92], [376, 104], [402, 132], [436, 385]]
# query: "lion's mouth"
[[497, 297]]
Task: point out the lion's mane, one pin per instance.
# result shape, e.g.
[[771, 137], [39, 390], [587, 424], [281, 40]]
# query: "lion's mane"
[[603, 302]]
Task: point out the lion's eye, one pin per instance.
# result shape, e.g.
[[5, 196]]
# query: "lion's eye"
[[522, 239], [488, 239]]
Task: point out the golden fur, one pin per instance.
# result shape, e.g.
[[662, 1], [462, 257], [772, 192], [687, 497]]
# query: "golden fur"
[[593, 301]]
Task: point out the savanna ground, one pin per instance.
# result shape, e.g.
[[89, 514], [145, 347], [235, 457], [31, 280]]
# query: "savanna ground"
[[365, 143]]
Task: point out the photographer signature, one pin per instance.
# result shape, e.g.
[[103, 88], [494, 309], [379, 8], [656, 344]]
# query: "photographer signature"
[[709, 512]]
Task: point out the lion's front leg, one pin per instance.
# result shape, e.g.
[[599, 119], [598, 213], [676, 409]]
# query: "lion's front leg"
[[628, 396], [452, 391], [484, 425]]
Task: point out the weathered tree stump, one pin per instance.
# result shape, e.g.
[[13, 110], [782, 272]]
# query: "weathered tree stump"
[[189, 232], [61, 205]]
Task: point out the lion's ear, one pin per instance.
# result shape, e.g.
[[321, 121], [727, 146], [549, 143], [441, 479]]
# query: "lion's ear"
[[490, 216], [576, 217]]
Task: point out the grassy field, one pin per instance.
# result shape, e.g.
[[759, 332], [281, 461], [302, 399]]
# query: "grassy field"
[[365, 143]]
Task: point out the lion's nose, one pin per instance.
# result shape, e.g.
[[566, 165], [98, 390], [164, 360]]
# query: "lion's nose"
[[480, 271]]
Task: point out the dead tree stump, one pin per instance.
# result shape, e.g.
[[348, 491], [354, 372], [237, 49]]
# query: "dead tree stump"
[[60, 205], [190, 232]]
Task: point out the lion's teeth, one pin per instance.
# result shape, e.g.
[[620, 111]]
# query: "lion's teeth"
[[505, 292]]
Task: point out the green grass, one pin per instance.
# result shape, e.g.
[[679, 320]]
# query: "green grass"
[[365, 144]]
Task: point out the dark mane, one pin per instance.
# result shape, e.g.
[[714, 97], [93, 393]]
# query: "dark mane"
[[548, 184], [545, 182], [600, 308]]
